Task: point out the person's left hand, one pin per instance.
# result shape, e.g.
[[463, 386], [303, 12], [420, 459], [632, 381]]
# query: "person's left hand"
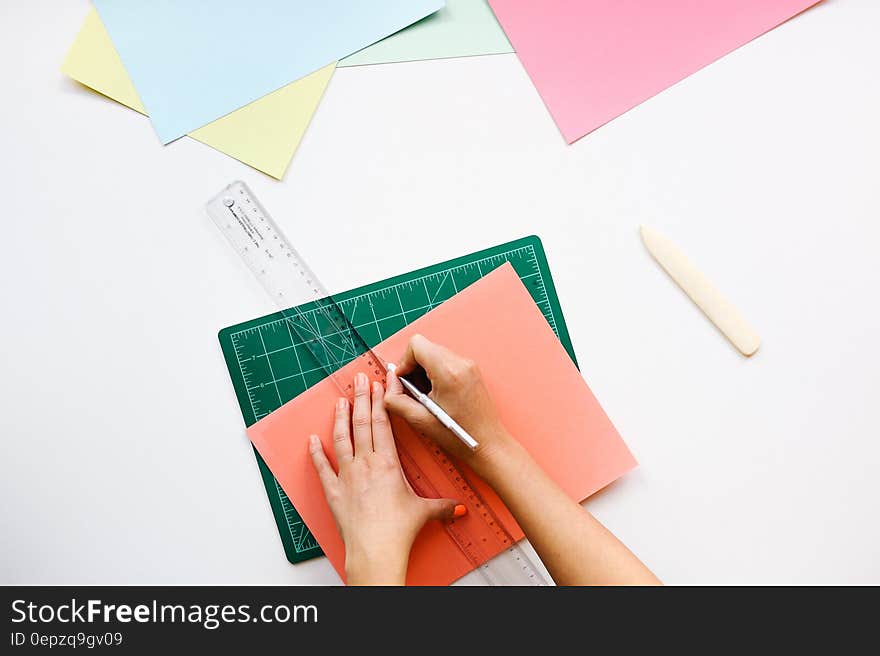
[[376, 510]]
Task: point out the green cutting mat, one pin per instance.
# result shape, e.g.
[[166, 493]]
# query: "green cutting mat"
[[269, 367]]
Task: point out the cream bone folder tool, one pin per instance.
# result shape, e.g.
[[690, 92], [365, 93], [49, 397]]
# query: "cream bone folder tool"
[[334, 342], [702, 292]]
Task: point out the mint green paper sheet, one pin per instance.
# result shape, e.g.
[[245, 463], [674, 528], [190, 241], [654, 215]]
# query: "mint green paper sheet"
[[462, 28]]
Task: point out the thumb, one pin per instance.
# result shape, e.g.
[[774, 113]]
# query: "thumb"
[[399, 403], [444, 509]]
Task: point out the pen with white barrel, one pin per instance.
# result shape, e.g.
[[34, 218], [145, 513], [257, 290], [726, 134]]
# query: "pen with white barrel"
[[438, 412]]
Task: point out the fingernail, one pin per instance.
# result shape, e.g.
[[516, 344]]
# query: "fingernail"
[[341, 403], [377, 387], [314, 442], [460, 510], [360, 383]]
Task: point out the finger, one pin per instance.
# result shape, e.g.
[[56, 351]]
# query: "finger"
[[401, 404], [444, 509], [393, 384], [383, 438], [342, 433], [322, 465], [360, 417], [420, 351]]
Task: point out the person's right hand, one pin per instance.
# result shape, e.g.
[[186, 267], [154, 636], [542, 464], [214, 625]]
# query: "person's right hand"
[[457, 387]]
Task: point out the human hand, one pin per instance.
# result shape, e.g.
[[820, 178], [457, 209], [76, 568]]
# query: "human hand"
[[457, 387], [376, 510]]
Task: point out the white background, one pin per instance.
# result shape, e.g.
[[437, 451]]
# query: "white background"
[[124, 458]]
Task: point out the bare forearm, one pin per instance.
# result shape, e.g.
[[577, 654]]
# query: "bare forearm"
[[574, 546]]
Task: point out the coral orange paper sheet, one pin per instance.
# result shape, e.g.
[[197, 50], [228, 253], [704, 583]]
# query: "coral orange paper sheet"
[[541, 396], [593, 60]]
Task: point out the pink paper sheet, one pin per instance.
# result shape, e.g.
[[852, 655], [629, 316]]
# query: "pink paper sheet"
[[593, 60], [541, 396]]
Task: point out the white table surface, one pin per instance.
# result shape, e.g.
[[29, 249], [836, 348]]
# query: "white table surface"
[[124, 457]]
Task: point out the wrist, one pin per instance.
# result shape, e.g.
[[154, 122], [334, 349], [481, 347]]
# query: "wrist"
[[498, 457], [363, 567]]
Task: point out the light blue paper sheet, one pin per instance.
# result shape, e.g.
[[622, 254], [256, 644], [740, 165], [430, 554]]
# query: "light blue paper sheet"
[[193, 61]]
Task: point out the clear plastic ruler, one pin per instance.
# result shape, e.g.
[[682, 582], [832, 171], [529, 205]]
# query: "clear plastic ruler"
[[334, 342]]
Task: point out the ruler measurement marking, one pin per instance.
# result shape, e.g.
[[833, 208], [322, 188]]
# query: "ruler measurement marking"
[[272, 373], [542, 300], [400, 305], [297, 538], [244, 378], [416, 281], [297, 544], [301, 372], [375, 321], [360, 325], [427, 293], [296, 355], [437, 293]]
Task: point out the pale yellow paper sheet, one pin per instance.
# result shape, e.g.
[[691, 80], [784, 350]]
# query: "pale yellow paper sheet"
[[263, 134]]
